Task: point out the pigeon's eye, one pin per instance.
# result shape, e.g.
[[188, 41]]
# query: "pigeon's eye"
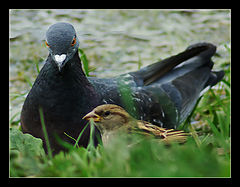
[[106, 113], [47, 44], [73, 42]]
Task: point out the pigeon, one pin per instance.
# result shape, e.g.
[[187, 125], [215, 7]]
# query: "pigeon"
[[112, 120], [163, 93]]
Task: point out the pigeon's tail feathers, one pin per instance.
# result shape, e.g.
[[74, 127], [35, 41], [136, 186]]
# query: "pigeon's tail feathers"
[[153, 72], [214, 78]]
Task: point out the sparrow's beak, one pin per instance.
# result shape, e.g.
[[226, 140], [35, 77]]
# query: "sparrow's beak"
[[92, 115]]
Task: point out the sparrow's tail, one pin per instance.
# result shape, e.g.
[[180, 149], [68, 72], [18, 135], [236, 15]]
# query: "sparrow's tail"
[[171, 135]]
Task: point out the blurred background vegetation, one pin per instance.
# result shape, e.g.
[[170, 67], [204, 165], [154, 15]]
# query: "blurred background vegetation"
[[115, 42]]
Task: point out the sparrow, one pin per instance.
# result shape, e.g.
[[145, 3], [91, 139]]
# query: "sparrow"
[[112, 119]]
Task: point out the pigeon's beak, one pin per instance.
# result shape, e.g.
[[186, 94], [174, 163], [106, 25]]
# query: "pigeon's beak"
[[92, 115], [60, 60]]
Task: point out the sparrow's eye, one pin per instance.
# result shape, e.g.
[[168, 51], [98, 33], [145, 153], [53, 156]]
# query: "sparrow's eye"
[[47, 44], [73, 42], [106, 113]]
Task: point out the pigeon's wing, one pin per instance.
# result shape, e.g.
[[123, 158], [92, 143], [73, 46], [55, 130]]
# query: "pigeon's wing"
[[164, 93], [153, 72], [185, 83]]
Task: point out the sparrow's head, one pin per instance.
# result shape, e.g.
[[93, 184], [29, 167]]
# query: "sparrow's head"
[[109, 117], [62, 43]]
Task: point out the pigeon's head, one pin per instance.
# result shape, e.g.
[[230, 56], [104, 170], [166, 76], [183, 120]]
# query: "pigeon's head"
[[62, 43]]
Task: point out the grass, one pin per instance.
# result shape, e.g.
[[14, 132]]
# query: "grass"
[[45, 133], [84, 60]]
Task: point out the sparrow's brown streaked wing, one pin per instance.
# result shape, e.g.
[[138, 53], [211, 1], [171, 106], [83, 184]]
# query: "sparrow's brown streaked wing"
[[167, 135]]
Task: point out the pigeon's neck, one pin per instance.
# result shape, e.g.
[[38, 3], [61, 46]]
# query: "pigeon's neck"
[[65, 90], [71, 75], [72, 68]]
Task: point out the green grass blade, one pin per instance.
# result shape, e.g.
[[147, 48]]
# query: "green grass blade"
[[214, 128], [91, 142], [37, 66], [195, 136], [76, 144], [64, 143], [71, 138], [13, 117], [126, 97], [84, 60], [227, 83], [45, 133], [28, 80], [139, 61]]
